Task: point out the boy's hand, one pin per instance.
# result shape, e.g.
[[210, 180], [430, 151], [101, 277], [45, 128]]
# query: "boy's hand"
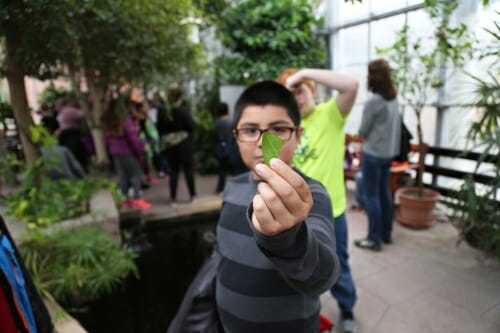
[[294, 80], [284, 199]]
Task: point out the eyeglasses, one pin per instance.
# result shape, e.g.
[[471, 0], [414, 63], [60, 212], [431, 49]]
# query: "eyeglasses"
[[253, 134]]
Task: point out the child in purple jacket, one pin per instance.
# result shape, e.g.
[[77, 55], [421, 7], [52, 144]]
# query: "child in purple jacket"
[[123, 144]]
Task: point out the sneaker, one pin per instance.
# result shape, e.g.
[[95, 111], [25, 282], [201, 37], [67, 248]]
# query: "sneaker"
[[367, 244], [153, 180], [348, 323], [127, 203], [141, 204], [387, 240]]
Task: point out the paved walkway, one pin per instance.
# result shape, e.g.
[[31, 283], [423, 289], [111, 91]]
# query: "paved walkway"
[[421, 283]]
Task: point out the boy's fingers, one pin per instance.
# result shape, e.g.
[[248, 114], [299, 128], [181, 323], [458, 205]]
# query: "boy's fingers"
[[278, 207], [292, 178], [276, 181], [262, 219]]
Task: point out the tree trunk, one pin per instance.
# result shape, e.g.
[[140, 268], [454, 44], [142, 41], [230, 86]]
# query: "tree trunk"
[[18, 98], [96, 94], [421, 154]]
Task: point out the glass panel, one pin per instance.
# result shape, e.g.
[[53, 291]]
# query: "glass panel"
[[421, 26], [383, 33], [383, 6], [359, 72], [350, 12], [352, 46]]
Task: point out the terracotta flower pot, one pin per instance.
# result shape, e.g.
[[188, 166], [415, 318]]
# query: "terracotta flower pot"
[[414, 211]]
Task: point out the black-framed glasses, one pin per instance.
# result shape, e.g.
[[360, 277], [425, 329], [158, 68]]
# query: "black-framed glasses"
[[253, 134]]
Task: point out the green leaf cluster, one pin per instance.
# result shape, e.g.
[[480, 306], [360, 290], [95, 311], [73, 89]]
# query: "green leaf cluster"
[[50, 94], [477, 213], [50, 202], [111, 40], [266, 37], [205, 136], [487, 90], [77, 265]]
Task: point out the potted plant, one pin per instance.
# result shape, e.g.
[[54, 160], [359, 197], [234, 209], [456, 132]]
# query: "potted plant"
[[476, 212], [420, 69]]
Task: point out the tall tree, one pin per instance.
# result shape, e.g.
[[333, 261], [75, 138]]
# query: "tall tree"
[[101, 41], [127, 41], [24, 26]]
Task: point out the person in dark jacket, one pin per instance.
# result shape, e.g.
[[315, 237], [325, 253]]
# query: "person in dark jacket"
[[21, 307], [177, 129], [226, 149]]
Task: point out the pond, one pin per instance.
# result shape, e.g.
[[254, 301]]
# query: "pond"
[[170, 253]]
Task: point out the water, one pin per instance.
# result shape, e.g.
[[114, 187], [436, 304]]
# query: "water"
[[172, 252]]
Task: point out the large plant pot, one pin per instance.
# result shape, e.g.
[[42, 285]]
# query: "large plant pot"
[[414, 211]]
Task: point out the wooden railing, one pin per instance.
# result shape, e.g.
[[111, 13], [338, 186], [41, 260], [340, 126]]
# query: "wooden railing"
[[436, 170], [400, 174]]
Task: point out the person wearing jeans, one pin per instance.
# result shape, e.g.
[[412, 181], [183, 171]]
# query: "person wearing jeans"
[[381, 132], [377, 199]]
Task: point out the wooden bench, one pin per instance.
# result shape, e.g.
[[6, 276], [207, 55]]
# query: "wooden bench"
[[354, 145]]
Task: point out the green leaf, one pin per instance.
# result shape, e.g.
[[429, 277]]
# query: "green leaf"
[[271, 146]]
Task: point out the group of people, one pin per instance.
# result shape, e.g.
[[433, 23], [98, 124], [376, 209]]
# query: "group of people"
[[147, 135], [144, 139], [282, 233]]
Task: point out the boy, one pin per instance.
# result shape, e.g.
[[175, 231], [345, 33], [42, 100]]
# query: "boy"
[[275, 233], [320, 155]]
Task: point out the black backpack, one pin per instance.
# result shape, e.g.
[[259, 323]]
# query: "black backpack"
[[405, 145]]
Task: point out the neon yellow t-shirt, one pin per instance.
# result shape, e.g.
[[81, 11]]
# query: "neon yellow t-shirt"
[[320, 153]]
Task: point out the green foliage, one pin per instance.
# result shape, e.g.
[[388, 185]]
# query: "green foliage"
[[477, 214], [205, 137], [487, 90], [134, 40], [6, 112], [210, 9], [81, 264], [42, 202], [9, 163], [271, 146], [50, 94], [110, 39], [267, 37], [50, 202]]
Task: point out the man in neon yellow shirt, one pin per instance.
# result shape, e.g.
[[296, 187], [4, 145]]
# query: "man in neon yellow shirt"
[[320, 155]]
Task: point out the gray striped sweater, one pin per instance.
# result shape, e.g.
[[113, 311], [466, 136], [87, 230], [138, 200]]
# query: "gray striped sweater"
[[272, 284]]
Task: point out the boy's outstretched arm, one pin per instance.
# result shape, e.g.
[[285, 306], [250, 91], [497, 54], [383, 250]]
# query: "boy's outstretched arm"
[[293, 227], [346, 85]]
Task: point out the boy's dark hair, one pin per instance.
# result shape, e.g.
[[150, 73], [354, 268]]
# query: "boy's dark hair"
[[267, 93], [222, 109], [380, 80]]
